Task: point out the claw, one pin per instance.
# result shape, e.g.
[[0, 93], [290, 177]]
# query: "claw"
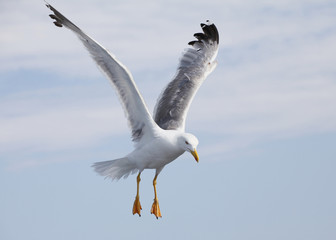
[[137, 206], [156, 209]]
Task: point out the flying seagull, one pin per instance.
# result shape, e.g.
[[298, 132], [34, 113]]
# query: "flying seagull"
[[160, 139]]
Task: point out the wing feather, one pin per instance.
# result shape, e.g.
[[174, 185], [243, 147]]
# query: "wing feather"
[[137, 114], [195, 65]]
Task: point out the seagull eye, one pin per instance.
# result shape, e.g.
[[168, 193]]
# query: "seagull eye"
[[187, 142]]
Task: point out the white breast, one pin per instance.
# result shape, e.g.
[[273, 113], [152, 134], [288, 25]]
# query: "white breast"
[[157, 153]]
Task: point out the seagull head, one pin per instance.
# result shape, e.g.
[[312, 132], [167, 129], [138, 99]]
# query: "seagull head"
[[189, 143]]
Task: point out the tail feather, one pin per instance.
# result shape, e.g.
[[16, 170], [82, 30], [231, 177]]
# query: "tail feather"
[[115, 169]]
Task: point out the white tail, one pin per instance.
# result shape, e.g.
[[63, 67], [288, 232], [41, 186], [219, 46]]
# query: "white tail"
[[115, 169]]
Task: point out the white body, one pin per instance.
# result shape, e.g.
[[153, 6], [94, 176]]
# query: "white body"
[[161, 150]]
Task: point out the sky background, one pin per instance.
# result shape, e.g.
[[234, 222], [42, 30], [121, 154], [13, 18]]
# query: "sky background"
[[265, 119]]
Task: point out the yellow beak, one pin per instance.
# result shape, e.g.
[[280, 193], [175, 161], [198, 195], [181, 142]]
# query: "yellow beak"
[[194, 153]]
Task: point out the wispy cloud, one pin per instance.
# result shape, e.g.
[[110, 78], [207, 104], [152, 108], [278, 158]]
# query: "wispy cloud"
[[35, 121]]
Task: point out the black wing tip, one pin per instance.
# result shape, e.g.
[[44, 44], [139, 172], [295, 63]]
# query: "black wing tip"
[[61, 20], [53, 16], [57, 21], [210, 32], [48, 5], [192, 42], [58, 24]]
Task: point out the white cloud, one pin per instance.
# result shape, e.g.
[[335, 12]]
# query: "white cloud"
[[35, 121]]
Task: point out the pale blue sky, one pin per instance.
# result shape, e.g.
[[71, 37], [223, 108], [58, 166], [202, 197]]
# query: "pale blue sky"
[[265, 119]]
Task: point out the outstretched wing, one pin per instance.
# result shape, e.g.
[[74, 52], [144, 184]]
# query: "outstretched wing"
[[195, 65], [136, 112]]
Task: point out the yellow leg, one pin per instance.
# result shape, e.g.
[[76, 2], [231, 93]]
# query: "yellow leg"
[[155, 207], [137, 206]]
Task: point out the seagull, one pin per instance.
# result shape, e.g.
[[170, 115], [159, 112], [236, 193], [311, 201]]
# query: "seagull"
[[160, 139]]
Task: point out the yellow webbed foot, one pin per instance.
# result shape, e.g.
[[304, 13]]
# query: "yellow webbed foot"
[[156, 209], [137, 206]]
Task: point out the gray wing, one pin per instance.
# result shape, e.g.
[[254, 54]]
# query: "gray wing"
[[136, 112], [195, 64]]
